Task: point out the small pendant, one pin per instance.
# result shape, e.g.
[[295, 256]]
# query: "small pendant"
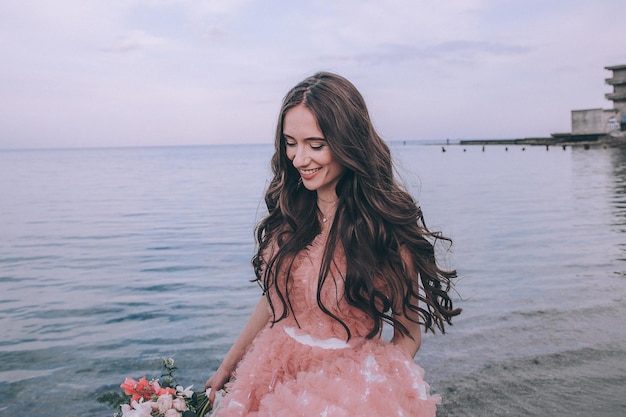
[[324, 219]]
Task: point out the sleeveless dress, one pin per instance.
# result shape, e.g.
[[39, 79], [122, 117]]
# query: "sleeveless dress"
[[303, 365]]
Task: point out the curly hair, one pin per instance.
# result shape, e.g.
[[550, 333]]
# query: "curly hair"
[[377, 223]]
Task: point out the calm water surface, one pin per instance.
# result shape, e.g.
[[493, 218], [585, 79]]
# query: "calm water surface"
[[111, 259]]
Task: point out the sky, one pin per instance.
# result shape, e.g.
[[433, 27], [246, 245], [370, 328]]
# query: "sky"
[[80, 73]]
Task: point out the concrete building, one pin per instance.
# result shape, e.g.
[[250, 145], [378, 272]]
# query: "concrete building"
[[594, 121], [590, 123], [618, 96]]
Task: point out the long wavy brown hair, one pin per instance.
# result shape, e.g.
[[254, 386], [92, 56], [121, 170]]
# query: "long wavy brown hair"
[[377, 223]]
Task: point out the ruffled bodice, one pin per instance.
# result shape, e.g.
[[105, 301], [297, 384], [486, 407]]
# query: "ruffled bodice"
[[302, 284]]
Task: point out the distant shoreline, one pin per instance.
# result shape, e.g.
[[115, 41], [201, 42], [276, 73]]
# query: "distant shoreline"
[[556, 139]]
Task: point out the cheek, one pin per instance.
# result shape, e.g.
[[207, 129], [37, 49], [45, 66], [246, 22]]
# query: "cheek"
[[334, 165], [339, 170], [290, 152]]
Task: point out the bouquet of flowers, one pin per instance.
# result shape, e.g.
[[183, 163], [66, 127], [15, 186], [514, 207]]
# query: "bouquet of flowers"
[[165, 398]]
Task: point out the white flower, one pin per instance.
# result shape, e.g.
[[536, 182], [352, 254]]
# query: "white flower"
[[187, 392], [169, 362], [127, 411], [164, 403], [142, 409]]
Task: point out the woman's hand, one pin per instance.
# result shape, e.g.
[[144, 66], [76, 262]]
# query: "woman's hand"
[[216, 383]]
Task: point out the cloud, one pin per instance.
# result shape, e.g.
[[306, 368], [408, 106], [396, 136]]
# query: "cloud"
[[451, 51], [473, 49], [135, 40], [186, 71]]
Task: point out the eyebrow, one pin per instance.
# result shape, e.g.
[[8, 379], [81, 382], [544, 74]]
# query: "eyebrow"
[[305, 139]]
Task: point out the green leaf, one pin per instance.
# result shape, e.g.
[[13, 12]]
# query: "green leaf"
[[113, 399]]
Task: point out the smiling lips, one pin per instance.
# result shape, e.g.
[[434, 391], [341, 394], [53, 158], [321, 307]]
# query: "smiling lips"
[[308, 174]]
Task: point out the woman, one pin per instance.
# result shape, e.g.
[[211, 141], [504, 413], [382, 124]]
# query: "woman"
[[342, 250]]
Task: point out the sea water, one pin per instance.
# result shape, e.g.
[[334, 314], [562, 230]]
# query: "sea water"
[[111, 259]]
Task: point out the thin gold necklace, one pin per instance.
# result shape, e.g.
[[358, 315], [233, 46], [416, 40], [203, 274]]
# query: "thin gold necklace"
[[325, 217]]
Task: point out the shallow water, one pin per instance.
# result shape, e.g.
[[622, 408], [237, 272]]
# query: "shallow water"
[[111, 259]]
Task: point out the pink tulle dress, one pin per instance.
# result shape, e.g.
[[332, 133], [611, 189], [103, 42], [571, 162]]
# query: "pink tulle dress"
[[304, 366]]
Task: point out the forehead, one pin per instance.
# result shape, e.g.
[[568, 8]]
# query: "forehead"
[[300, 123]]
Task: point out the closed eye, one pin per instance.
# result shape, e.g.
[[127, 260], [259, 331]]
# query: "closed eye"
[[315, 143]]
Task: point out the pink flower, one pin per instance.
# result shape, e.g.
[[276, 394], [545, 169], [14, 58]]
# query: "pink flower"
[[138, 389], [164, 403], [179, 404], [172, 413], [156, 388], [164, 391]]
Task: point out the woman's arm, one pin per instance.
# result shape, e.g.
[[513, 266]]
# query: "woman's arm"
[[257, 321], [409, 344]]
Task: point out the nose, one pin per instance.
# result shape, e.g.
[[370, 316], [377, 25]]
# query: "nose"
[[301, 157]]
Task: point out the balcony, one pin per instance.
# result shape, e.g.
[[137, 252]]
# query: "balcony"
[[616, 67], [616, 80], [616, 96]]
